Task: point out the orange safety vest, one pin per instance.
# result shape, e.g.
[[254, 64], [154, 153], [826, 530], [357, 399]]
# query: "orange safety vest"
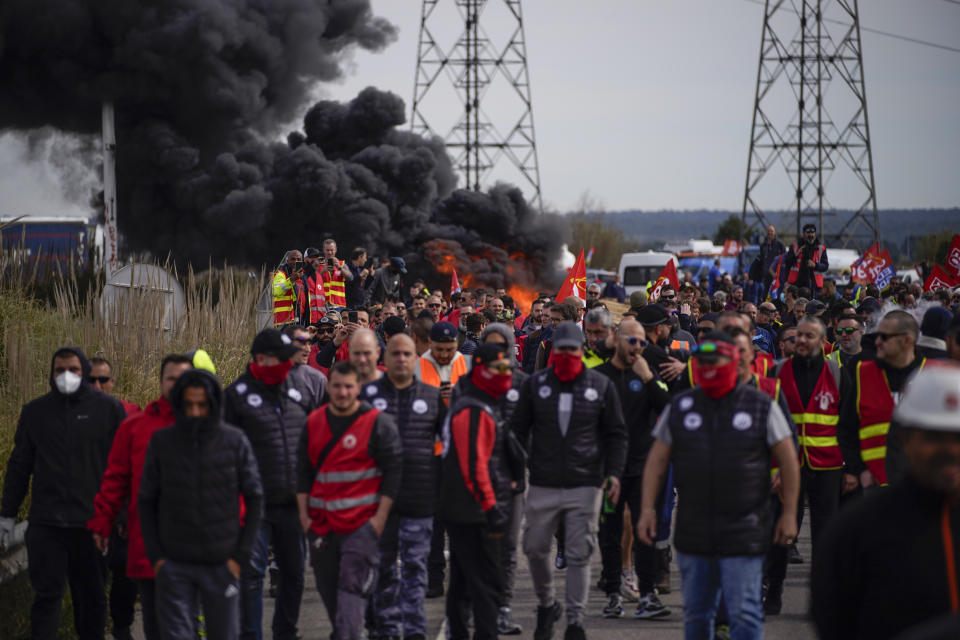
[[317, 299], [762, 363], [817, 422], [334, 288], [679, 345], [346, 490], [794, 272], [875, 407], [284, 298], [430, 376]]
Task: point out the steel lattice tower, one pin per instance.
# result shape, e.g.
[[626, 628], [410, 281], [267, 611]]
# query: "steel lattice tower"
[[474, 65], [810, 119]]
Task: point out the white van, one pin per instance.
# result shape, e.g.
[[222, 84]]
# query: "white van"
[[637, 270]]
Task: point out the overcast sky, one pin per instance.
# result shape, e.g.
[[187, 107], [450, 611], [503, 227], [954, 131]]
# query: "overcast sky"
[[648, 104]]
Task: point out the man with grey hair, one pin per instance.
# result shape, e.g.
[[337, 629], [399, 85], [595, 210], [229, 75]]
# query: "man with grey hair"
[[593, 292], [598, 328]]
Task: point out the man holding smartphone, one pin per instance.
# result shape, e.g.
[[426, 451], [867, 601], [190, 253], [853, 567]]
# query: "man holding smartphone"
[[335, 275], [290, 291]]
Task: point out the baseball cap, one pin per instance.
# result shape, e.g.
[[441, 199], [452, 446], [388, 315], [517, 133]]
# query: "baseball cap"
[[490, 352], [638, 299], [567, 334], [398, 263], [311, 252], [652, 314], [327, 320], [870, 305], [443, 331], [813, 307], [809, 227], [272, 342], [713, 346]]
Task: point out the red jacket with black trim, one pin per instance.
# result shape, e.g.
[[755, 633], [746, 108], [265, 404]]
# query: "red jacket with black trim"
[[121, 482]]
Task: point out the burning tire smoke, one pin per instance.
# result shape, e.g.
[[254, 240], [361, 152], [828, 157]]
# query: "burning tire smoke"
[[202, 89]]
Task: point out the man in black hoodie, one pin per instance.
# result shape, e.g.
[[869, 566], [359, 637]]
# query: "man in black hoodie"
[[195, 535], [62, 440]]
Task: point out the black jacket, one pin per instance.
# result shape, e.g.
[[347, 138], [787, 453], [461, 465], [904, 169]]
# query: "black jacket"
[[63, 442], [272, 419], [193, 476], [418, 412], [595, 445], [640, 403], [880, 566], [721, 464]]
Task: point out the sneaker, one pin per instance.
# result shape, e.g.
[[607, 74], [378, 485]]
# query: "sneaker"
[[721, 632], [614, 608], [773, 601], [650, 607], [629, 592], [506, 625], [561, 560], [546, 618], [575, 632], [795, 557]]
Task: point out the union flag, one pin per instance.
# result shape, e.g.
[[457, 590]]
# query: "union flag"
[[668, 275], [576, 282]]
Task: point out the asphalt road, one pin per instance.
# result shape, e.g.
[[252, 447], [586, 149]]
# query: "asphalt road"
[[792, 624]]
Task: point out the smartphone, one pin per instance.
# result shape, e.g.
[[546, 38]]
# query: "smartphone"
[[331, 262], [298, 266], [352, 317]]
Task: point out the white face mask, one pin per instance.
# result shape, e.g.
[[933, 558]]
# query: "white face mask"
[[67, 382]]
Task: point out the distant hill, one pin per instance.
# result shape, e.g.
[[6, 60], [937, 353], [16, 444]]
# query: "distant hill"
[[898, 227]]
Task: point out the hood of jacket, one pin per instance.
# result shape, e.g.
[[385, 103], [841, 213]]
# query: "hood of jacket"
[[84, 367], [209, 382], [501, 329]]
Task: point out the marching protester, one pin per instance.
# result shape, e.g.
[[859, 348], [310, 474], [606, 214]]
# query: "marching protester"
[[270, 406], [348, 477], [574, 410], [314, 379], [60, 451], [417, 409], [121, 485], [195, 539]]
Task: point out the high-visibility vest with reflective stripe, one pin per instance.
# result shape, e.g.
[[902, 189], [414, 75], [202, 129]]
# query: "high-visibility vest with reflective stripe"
[[284, 298], [762, 363], [817, 422], [346, 488], [771, 387], [591, 359], [679, 345], [430, 375], [315, 295], [334, 288], [875, 407], [794, 272]]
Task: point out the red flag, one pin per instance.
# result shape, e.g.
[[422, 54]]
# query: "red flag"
[[730, 248], [454, 283], [940, 279], [953, 256], [576, 282], [667, 276], [863, 270]]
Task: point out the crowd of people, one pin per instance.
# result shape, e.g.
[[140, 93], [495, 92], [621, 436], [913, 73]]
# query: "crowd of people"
[[378, 425]]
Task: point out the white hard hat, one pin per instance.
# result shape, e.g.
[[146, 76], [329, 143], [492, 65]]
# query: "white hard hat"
[[932, 399]]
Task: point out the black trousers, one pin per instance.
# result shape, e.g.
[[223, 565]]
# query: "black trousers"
[[822, 490], [436, 562], [475, 578], [611, 534], [123, 590], [58, 556], [148, 604]]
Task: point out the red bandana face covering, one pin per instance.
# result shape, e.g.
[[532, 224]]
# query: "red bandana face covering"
[[271, 375], [494, 384], [567, 366], [717, 381]]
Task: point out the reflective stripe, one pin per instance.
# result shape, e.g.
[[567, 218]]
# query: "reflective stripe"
[[873, 430], [815, 418], [348, 476], [819, 441], [344, 503], [877, 453]]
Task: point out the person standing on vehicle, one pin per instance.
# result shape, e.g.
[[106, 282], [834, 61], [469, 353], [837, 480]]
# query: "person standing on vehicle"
[[573, 410], [271, 407], [806, 262]]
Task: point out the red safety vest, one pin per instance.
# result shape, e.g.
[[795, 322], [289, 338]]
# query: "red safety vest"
[[317, 299], [794, 272], [334, 288], [346, 490], [875, 407], [284, 298], [762, 363], [817, 422]]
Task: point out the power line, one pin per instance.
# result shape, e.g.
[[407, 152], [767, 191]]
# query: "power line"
[[897, 36]]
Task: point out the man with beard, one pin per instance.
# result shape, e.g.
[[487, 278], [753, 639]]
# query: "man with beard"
[[642, 397], [806, 262], [290, 291], [312, 259], [849, 333], [598, 328], [656, 326], [787, 341], [811, 386], [886, 566], [334, 274]]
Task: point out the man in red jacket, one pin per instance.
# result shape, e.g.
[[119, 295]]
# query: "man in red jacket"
[[121, 484]]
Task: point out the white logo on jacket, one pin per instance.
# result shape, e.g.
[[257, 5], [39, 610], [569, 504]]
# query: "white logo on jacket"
[[591, 394], [242, 388], [742, 421], [254, 400], [692, 421], [544, 392], [513, 395], [294, 394], [380, 404], [349, 441], [685, 403], [420, 406]]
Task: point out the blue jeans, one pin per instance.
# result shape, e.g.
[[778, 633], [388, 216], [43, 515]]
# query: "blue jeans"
[[738, 578], [281, 529], [398, 605]]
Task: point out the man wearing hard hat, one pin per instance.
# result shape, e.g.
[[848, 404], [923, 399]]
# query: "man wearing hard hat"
[[889, 562]]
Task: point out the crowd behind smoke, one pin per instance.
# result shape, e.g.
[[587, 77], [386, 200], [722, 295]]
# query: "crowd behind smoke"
[[203, 91]]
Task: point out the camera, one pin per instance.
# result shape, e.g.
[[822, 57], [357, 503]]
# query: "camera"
[[352, 317]]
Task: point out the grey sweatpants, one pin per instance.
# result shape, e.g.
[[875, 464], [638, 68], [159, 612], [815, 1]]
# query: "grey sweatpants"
[[346, 568], [181, 588], [579, 509]]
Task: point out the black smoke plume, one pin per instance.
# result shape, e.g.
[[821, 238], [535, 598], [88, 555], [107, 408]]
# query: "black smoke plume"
[[203, 88]]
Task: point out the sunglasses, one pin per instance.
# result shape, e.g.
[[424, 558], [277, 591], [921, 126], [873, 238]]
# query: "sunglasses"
[[100, 379], [669, 297], [434, 306], [846, 330], [302, 340], [500, 368], [325, 330], [888, 336], [633, 342], [763, 310]]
